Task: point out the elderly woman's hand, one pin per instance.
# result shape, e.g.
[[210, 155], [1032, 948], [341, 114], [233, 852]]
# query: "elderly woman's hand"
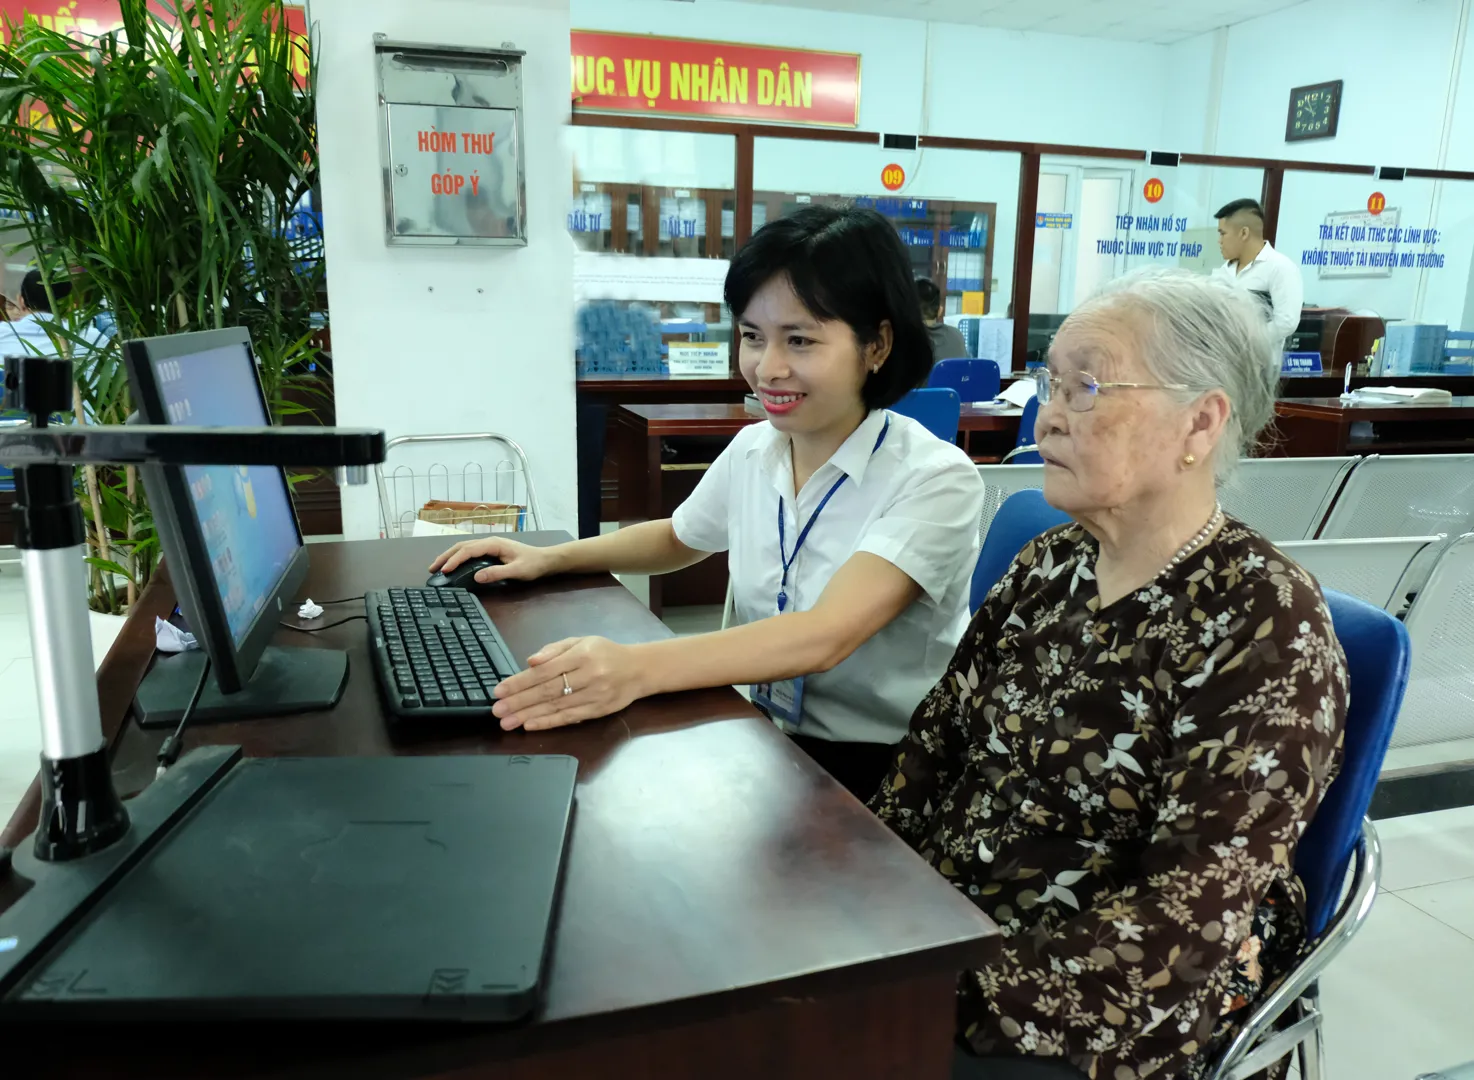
[[568, 682]]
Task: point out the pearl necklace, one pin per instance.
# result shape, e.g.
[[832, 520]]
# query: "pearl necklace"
[[1200, 539]]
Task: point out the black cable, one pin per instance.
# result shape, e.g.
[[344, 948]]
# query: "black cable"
[[169, 751], [319, 629], [347, 600]]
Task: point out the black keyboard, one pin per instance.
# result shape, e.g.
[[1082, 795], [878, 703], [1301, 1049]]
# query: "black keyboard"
[[437, 654]]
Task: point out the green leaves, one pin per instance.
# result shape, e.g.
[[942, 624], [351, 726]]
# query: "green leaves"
[[162, 164]]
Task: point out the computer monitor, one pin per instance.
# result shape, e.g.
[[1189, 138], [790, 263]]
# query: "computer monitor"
[[1042, 328], [230, 540]]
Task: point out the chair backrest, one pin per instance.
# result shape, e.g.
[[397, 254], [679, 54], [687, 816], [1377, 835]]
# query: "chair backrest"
[[938, 409], [1001, 481], [1284, 498], [974, 380], [1440, 698], [1373, 570], [1023, 516], [1026, 435], [1410, 495], [1378, 655]]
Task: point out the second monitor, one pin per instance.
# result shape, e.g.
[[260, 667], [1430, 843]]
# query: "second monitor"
[[231, 541]]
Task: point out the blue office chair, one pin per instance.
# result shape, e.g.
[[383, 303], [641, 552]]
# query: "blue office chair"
[[1024, 451], [1023, 516], [939, 410], [1378, 656], [974, 380]]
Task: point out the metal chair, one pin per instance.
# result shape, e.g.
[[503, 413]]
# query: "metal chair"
[[1339, 837], [1023, 516], [1001, 481], [1378, 570], [974, 380], [1024, 451], [1440, 697], [1409, 495], [1285, 498], [938, 409]]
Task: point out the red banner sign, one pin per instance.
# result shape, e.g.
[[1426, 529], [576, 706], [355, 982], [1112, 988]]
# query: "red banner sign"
[[637, 73], [88, 18]]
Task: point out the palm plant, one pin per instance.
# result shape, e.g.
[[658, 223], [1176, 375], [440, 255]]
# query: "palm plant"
[[161, 165]]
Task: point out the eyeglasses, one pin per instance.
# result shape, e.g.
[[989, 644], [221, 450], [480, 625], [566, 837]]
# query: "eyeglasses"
[[1080, 388]]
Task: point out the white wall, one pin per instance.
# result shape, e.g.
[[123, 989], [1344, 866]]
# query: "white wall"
[[1395, 60], [436, 340], [893, 51], [973, 81], [1408, 100], [937, 78]]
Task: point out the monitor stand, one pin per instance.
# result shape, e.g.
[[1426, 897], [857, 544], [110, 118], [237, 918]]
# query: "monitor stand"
[[287, 680]]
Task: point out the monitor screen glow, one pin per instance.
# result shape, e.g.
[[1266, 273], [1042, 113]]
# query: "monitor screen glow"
[[245, 513]]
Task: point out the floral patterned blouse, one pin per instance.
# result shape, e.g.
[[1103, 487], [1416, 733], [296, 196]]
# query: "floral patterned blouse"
[[1122, 790]]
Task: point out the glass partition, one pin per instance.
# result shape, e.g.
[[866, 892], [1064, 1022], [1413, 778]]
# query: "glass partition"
[[955, 210], [653, 215], [1398, 249], [1098, 218]]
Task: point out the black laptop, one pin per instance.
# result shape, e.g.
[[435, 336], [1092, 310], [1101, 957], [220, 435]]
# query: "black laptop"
[[355, 888]]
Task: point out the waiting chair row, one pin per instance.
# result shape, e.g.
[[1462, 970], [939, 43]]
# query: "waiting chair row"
[[1330, 498]]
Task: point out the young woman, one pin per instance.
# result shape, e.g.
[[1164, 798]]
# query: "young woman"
[[852, 531]]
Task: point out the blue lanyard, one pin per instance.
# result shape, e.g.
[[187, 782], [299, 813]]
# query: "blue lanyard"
[[803, 535]]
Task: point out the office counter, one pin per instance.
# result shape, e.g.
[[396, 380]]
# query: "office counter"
[[1324, 427], [598, 484], [728, 911]]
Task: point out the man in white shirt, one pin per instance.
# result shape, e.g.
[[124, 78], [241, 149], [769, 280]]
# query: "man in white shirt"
[[1253, 265], [25, 333]]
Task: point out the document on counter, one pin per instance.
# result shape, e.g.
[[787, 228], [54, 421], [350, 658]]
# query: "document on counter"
[[1398, 395]]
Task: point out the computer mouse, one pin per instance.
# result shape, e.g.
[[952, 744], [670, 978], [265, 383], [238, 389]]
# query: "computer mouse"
[[464, 576]]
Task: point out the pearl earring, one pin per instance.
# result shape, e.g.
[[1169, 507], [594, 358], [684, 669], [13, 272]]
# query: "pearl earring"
[[1189, 461], [874, 368]]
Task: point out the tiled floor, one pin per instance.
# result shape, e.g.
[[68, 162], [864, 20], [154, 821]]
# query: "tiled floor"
[[1396, 1001]]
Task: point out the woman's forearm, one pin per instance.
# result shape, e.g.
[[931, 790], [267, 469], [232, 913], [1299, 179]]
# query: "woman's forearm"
[[650, 547], [864, 595], [783, 647]]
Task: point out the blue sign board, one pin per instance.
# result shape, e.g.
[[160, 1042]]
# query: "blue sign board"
[[1054, 221], [1301, 363]]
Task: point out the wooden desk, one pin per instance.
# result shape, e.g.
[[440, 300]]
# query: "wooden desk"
[[728, 911], [1322, 427], [598, 482]]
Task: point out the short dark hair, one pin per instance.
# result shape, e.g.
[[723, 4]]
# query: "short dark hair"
[[1251, 205], [33, 291], [929, 295], [844, 264]]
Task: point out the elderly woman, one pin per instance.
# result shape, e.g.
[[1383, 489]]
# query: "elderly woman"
[[1141, 719]]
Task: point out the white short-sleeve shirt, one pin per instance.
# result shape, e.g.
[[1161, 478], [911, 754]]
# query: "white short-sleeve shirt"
[[1275, 276], [915, 502]]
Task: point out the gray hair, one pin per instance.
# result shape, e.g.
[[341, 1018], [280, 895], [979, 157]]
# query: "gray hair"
[[1205, 334]]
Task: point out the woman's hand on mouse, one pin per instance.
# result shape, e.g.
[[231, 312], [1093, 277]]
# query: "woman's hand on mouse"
[[603, 678], [520, 562]]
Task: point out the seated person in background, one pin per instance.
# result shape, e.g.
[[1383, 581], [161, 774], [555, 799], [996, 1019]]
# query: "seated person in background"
[[26, 333], [946, 341], [1142, 718], [851, 530]]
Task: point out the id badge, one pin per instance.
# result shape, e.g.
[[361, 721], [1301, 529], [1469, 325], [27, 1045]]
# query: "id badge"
[[783, 701]]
